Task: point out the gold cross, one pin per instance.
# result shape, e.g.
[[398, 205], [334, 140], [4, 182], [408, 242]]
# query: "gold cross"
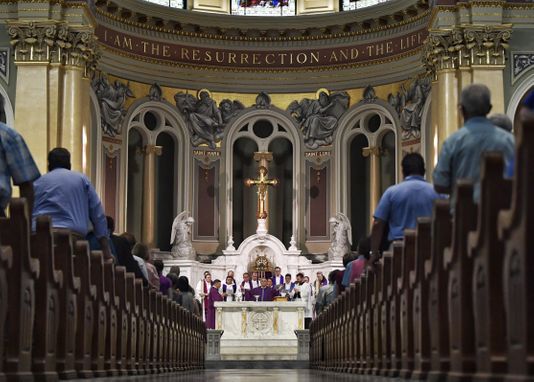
[[262, 182]]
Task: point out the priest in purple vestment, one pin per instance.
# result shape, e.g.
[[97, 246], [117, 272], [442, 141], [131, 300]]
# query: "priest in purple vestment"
[[263, 292], [213, 296]]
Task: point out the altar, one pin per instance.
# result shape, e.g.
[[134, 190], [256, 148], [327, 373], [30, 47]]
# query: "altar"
[[259, 330]]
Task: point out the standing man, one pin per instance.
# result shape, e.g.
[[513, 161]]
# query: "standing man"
[[289, 286], [402, 204], [263, 292], [255, 282], [202, 290], [229, 288], [69, 198], [278, 279], [303, 292], [461, 154], [212, 298], [246, 284], [16, 163]]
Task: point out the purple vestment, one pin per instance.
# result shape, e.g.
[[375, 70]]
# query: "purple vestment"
[[213, 296], [265, 294]]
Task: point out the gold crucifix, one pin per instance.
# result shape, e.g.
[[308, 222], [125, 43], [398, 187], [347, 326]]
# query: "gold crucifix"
[[262, 182]]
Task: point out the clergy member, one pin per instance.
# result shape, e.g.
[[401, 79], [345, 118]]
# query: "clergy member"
[[289, 286], [263, 292], [255, 281], [202, 290], [278, 279], [229, 289], [246, 284], [213, 296]]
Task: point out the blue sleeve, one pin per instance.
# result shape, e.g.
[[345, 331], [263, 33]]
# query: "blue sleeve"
[[19, 160], [383, 209], [96, 212], [442, 172], [346, 276]]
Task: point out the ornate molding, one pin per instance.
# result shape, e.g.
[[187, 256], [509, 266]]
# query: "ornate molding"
[[466, 46], [54, 42], [521, 61]]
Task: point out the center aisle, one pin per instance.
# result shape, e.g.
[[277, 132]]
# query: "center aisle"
[[252, 375]]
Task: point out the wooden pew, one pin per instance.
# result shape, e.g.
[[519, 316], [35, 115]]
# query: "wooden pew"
[[487, 252], [150, 296], [437, 276], [460, 268], [352, 328], [362, 322], [154, 351], [394, 311], [376, 307], [68, 305], [100, 308], [6, 261], [384, 313], [406, 303], [420, 286], [47, 287], [131, 344], [112, 324], [515, 228], [164, 334], [18, 330], [141, 326], [123, 319], [86, 314], [368, 313]]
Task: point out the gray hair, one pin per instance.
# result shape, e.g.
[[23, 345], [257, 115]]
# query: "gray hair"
[[502, 121], [476, 100]]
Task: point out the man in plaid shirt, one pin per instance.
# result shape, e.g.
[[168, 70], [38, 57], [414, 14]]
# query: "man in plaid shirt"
[[15, 162]]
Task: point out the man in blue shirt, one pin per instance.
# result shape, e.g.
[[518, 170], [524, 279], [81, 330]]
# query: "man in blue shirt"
[[15, 162], [461, 154], [402, 204], [70, 200]]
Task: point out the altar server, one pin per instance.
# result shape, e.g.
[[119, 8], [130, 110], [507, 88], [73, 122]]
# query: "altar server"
[[246, 284], [201, 292], [303, 292], [278, 278], [229, 289], [289, 286]]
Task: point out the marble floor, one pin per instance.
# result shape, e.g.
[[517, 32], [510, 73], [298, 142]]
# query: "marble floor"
[[251, 375]]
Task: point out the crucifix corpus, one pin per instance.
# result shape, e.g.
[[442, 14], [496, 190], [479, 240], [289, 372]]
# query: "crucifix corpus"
[[262, 182]]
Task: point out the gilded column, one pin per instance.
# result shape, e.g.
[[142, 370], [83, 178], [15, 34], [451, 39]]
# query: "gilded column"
[[488, 45], [149, 194], [33, 45], [79, 53], [374, 173], [431, 138]]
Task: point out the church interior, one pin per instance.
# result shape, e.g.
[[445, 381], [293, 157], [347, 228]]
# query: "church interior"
[[247, 136]]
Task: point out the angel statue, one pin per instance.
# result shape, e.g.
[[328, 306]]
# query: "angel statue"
[[181, 236], [318, 118], [341, 237]]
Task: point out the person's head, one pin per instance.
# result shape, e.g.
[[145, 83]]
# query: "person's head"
[[347, 258], [206, 274], [502, 121], [183, 284], [254, 276], [320, 276], [413, 164], [174, 269], [364, 247], [58, 158], [216, 283], [269, 283], [207, 277], [111, 224], [288, 278], [231, 274], [332, 276], [141, 250], [246, 276], [158, 264], [229, 280], [263, 282], [130, 238], [174, 280], [475, 101], [300, 277], [277, 271], [306, 279]]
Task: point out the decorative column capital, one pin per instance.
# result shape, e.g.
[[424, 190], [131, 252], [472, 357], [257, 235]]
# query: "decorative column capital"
[[32, 42], [443, 50], [487, 44]]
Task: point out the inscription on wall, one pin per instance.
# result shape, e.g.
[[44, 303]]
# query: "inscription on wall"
[[261, 59]]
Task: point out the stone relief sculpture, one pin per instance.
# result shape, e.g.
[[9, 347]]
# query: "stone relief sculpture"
[[111, 98], [155, 93], [263, 101], [369, 94], [409, 103], [181, 237], [341, 237], [318, 117], [205, 120]]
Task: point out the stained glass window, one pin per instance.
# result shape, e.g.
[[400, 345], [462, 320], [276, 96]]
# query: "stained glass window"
[[263, 7]]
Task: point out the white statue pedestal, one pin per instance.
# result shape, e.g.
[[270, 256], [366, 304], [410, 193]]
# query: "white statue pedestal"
[[259, 330]]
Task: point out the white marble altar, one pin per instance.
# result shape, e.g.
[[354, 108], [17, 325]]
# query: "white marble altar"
[[259, 330]]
